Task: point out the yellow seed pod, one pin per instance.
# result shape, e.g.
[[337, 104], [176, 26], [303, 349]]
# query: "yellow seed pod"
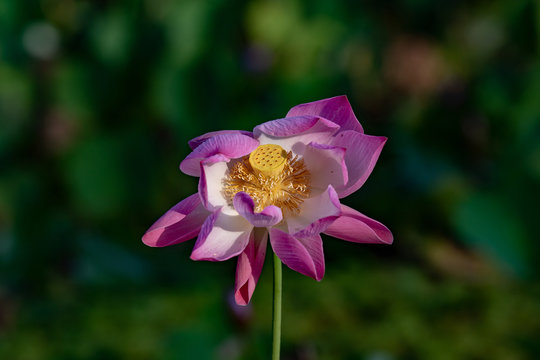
[[269, 159]]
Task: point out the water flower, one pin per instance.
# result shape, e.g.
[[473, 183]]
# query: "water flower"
[[283, 181]]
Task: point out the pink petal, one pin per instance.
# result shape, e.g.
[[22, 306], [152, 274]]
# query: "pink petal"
[[360, 157], [356, 227], [336, 109], [231, 146], [213, 170], [222, 236], [295, 130], [182, 222], [315, 214], [327, 165], [269, 216], [249, 266], [302, 254], [194, 143]]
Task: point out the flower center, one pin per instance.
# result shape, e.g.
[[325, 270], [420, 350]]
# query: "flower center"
[[271, 176], [268, 159]]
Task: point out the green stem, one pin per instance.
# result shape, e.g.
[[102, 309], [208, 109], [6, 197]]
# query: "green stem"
[[276, 314]]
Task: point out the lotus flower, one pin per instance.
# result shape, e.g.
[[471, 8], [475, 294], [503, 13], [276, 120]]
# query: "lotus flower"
[[284, 181]]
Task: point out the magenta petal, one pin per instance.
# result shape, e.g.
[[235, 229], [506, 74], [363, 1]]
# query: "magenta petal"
[[249, 266], [362, 152], [222, 236], [357, 227], [293, 126], [269, 216], [231, 146], [182, 222], [302, 254], [288, 131], [194, 143], [336, 109]]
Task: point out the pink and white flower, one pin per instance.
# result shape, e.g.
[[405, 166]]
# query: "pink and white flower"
[[284, 181]]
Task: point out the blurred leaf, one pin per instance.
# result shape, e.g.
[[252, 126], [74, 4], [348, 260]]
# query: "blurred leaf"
[[72, 90], [187, 28], [299, 43], [493, 96], [533, 161], [104, 262], [15, 105], [95, 175], [487, 224], [112, 37], [192, 344]]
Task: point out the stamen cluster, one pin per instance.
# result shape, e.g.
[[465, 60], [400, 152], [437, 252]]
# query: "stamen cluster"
[[286, 189]]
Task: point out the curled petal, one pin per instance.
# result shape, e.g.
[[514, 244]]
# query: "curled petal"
[[315, 214], [291, 126], [249, 266], [231, 146], [182, 222], [213, 171], [302, 254], [326, 164], [222, 236], [291, 131], [357, 227], [336, 109], [362, 152], [269, 216], [194, 143]]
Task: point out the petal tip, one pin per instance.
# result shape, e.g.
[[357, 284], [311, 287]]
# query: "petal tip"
[[390, 238], [245, 205], [197, 256], [149, 238], [240, 301]]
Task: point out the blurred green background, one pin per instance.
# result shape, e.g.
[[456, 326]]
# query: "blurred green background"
[[99, 98]]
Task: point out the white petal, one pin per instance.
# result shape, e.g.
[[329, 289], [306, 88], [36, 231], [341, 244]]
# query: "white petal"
[[211, 186], [222, 237], [316, 213], [326, 165]]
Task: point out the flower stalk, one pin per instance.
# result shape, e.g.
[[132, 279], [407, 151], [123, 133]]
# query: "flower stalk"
[[276, 313]]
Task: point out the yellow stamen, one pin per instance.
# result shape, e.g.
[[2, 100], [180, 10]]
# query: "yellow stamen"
[[271, 176]]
